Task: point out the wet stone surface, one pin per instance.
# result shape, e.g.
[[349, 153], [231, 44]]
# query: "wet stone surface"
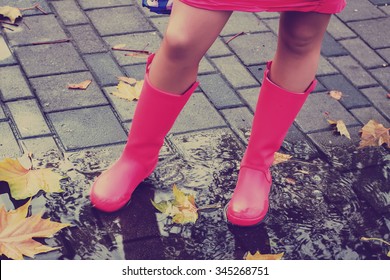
[[317, 211]]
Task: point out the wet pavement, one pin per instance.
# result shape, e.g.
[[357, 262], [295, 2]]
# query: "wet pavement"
[[323, 200]]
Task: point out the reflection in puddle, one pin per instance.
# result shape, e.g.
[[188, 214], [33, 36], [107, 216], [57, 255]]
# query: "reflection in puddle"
[[317, 211]]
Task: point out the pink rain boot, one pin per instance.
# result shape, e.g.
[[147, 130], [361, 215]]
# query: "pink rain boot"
[[153, 118], [276, 110]]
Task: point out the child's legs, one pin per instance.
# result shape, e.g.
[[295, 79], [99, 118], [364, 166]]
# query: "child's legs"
[[189, 35], [299, 44]]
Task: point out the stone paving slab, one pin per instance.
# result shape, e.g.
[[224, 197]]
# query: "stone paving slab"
[[360, 10], [368, 31], [27, 4], [86, 39], [120, 20], [37, 29], [8, 145], [54, 95], [339, 30], [124, 108], [46, 60], [69, 12], [87, 127], [2, 115], [90, 4], [240, 120], [382, 75], [6, 57], [13, 85], [369, 113], [330, 47], [377, 96], [104, 67], [243, 22], [28, 118], [385, 54]]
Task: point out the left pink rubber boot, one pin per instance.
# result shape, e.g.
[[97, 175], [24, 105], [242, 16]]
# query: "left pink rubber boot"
[[276, 110]]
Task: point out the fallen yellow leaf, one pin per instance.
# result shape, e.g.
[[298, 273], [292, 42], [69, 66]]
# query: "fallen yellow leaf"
[[279, 158], [128, 92], [336, 94], [182, 208], [130, 81], [17, 232], [24, 183], [259, 256], [83, 85], [374, 134], [10, 12], [341, 127]]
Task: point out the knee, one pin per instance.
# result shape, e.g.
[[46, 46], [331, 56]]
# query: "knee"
[[178, 45], [301, 40]]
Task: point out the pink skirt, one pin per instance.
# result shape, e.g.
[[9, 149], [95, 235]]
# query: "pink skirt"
[[319, 6]]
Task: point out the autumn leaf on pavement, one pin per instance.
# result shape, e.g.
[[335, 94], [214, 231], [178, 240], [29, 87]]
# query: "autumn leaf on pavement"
[[83, 85], [127, 91], [374, 134], [341, 127], [25, 182], [259, 256], [10, 12], [17, 232], [182, 208], [279, 158], [336, 94], [130, 81]]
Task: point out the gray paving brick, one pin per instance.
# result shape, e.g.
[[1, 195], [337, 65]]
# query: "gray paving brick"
[[369, 113], [197, 114], [382, 75], [265, 15], [343, 154], [339, 30], [272, 24], [325, 68], [362, 52], [104, 67], [28, 118], [385, 54], [234, 72], [54, 94], [12, 83], [250, 95], [219, 48], [380, 2], [6, 57], [124, 108], [359, 10], [220, 94], [377, 96], [86, 39], [88, 127], [257, 71], [385, 9], [136, 71], [2, 115], [351, 96], [69, 12], [353, 71], [27, 4], [49, 59], [89, 4], [243, 22], [317, 108], [149, 41], [254, 48], [40, 146], [373, 32], [8, 144], [161, 23], [240, 120], [298, 145], [120, 20], [330, 47], [36, 29], [205, 67]]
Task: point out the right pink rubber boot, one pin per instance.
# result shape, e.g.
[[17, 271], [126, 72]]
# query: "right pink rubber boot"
[[154, 116]]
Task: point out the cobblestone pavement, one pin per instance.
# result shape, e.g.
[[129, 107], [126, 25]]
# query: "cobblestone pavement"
[[335, 194]]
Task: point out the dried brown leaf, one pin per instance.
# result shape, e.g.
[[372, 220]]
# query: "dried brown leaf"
[[279, 158], [10, 12], [259, 256], [130, 81], [336, 94], [341, 127], [83, 85], [374, 134]]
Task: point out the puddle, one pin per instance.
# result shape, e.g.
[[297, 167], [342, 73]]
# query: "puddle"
[[317, 211]]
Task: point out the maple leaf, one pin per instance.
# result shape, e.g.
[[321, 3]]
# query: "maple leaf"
[[182, 208], [374, 134], [130, 81], [10, 12], [128, 92], [336, 94], [341, 127], [83, 85], [279, 158], [25, 182], [17, 231], [259, 256]]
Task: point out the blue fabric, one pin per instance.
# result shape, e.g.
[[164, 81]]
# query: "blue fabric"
[[158, 6]]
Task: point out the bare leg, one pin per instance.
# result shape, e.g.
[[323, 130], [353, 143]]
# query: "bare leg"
[[189, 35], [296, 60]]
